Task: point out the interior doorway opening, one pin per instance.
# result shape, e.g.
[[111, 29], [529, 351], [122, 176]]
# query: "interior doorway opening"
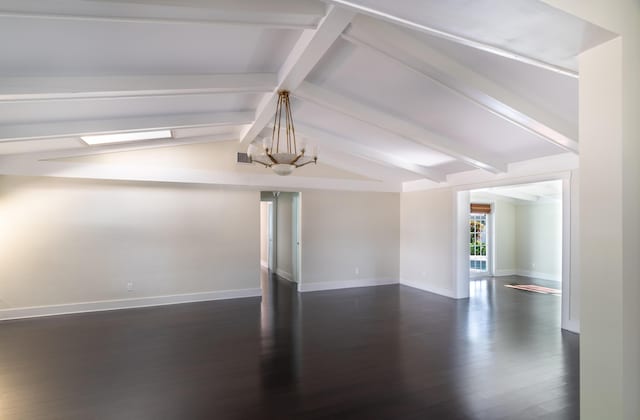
[[479, 236], [280, 235], [518, 236], [266, 235]]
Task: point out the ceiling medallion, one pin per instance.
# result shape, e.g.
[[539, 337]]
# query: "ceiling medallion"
[[281, 154]]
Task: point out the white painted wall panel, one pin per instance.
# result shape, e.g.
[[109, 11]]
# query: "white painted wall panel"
[[342, 231], [67, 241], [539, 240], [426, 248]]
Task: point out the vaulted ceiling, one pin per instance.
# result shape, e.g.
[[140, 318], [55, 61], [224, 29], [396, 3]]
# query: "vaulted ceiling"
[[390, 92]]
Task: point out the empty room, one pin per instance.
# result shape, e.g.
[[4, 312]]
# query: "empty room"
[[319, 209]]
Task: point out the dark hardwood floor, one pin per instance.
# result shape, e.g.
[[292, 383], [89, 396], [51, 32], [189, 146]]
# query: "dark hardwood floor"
[[388, 352]]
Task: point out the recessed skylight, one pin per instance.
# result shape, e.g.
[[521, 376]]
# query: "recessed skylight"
[[125, 137]]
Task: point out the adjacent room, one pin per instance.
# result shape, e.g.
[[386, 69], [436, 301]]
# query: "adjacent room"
[[319, 209]]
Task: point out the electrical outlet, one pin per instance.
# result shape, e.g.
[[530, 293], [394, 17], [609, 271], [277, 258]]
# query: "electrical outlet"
[[130, 286], [357, 270], [424, 274]]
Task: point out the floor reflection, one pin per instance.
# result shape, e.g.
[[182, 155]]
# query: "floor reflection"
[[387, 352], [280, 335]]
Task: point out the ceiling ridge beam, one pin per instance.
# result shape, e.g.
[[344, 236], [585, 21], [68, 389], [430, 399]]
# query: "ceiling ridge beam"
[[396, 125], [356, 149], [156, 122], [470, 86], [305, 55], [287, 14], [21, 89], [492, 49]]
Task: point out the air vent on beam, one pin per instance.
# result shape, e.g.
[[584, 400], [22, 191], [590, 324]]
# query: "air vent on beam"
[[243, 158]]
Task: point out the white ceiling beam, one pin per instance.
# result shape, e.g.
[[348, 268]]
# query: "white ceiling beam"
[[307, 52], [439, 33], [161, 173], [518, 195], [397, 125], [294, 14], [361, 166], [393, 44], [334, 142], [85, 150], [77, 128], [17, 89]]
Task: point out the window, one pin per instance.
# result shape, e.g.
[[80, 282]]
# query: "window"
[[478, 242]]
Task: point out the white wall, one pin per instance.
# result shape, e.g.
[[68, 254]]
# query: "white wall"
[[609, 207], [284, 235], [538, 233], [264, 234], [67, 241], [342, 231], [504, 218], [426, 247]]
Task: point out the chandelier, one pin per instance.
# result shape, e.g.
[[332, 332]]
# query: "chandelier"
[[281, 154]]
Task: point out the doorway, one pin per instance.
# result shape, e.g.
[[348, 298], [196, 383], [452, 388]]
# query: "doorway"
[[479, 237], [280, 235], [517, 235], [266, 235]]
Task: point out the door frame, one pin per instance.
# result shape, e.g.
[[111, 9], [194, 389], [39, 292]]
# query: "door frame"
[[570, 276]]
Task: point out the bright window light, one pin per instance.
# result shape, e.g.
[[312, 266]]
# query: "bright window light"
[[124, 137]]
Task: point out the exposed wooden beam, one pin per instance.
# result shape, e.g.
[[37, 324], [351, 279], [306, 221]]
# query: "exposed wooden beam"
[[396, 125], [59, 88], [295, 14], [307, 52], [325, 138], [492, 49], [393, 44], [77, 128]]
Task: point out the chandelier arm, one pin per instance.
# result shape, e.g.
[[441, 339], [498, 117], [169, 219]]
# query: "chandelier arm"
[[314, 161], [293, 129], [266, 165], [272, 158], [293, 162], [279, 118]]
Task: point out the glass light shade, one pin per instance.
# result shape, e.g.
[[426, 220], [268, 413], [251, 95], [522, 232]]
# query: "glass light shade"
[[283, 169], [285, 158]]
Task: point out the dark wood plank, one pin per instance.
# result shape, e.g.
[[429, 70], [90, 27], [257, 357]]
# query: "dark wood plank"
[[387, 352]]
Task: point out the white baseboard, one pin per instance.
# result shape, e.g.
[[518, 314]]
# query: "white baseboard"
[[426, 288], [284, 274], [507, 272], [332, 285], [110, 305], [538, 275]]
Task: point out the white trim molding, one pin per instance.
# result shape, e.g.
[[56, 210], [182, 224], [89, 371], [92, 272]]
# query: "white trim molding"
[[285, 275], [347, 284], [110, 305], [430, 289], [539, 275], [505, 272]]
